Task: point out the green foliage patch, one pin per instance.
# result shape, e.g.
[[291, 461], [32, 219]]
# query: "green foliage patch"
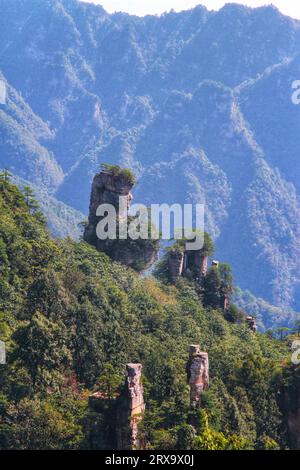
[[71, 320]]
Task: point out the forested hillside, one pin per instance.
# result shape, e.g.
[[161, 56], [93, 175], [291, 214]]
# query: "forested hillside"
[[71, 319]]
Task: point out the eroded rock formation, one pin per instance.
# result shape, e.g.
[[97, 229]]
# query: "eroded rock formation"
[[225, 302], [251, 321], [198, 374], [107, 188], [131, 409], [184, 262], [176, 261]]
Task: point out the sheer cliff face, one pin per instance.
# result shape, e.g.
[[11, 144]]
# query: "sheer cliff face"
[[197, 103]]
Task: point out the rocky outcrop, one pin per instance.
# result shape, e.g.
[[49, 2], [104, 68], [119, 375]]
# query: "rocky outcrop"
[[225, 302], [197, 373], [107, 188], [175, 262], [185, 262], [131, 409], [197, 260], [251, 321], [203, 265]]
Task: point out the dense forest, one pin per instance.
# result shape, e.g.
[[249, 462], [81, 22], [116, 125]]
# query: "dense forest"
[[71, 319]]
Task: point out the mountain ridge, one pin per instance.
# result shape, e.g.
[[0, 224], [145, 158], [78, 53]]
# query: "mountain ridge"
[[186, 96]]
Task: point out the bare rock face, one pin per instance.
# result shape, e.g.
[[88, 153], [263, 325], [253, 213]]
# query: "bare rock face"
[[175, 260], [131, 409], [204, 264], [183, 262], [135, 388], [198, 374], [225, 302], [106, 189]]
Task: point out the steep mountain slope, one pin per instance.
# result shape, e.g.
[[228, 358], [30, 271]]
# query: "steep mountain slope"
[[197, 103], [22, 142], [62, 220]]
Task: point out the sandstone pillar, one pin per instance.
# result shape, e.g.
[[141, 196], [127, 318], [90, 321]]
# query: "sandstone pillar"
[[176, 264], [204, 263], [106, 189], [198, 374], [131, 409]]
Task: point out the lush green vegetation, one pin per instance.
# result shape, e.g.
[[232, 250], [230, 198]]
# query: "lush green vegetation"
[[71, 320], [213, 288], [117, 171]]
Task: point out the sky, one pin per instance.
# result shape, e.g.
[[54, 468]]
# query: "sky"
[[144, 7]]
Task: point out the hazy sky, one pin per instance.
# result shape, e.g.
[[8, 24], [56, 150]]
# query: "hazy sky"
[[143, 7]]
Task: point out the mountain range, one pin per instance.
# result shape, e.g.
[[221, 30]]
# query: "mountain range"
[[197, 103]]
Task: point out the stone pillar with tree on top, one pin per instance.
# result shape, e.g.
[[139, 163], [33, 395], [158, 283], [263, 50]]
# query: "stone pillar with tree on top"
[[108, 186], [112, 185], [197, 374], [189, 263]]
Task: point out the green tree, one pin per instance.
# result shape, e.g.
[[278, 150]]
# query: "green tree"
[[36, 424], [209, 439], [5, 177], [185, 437], [212, 288], [109, 382], [42, 345]]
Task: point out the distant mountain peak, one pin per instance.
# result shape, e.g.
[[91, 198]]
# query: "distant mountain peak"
[[198, 103]]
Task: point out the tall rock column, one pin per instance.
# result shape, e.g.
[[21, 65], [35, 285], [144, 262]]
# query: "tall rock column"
[[106, 189], [131, 409], [108, 186], [176, 263], [204, 264], [198, 374]]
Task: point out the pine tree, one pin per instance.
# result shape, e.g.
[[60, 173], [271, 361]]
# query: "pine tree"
[[30, 199], [5, 177], [212, 288]]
